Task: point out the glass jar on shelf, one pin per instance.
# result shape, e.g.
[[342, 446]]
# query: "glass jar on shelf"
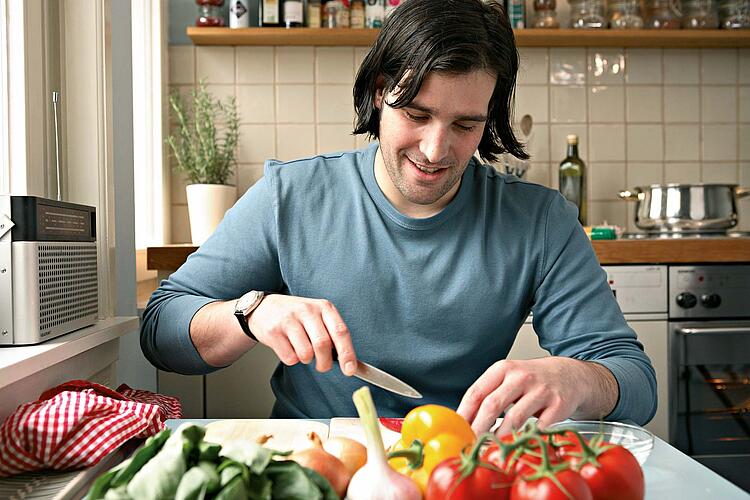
[[734, 14], [700, 14], [663, 15], [625, 14], [544, 14], [587, 14], [209, 13]]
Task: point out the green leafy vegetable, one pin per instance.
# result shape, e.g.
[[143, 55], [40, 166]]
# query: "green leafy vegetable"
[[159, 477]]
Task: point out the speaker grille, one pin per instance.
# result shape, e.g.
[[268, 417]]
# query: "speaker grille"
[[67, 284]]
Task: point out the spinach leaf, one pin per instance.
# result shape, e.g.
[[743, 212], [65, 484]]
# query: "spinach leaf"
[[235, 490], [290, 482], [255, 456], [208, 451], [159, 477], [259, 487], [124, 471], [198, 481], [322, 483], [230, 469]]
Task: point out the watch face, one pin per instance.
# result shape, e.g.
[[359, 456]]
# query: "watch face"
[[247, 301]]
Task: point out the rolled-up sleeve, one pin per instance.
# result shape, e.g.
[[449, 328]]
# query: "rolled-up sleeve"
[[576, 315], [241, 255]]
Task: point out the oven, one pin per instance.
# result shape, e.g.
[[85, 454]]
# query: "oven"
[[709, 363]]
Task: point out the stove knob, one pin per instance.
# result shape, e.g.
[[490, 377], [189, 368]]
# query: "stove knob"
[[711, 301], [686, 300]]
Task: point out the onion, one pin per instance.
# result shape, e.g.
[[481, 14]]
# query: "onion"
[[316, 458], [351, 452], [376, 480]]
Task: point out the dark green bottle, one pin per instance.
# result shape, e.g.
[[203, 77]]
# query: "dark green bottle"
[[573, 178]]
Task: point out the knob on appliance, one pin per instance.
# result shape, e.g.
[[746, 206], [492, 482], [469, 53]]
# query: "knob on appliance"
[[711, 301], [686, 300]]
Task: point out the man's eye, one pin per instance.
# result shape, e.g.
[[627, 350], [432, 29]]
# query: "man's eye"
[[416, 118], [465, 128]]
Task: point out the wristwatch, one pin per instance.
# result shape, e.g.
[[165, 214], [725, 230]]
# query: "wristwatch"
[[244, 306]]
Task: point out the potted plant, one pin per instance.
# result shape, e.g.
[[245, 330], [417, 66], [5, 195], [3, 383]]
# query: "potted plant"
[[206, 155]]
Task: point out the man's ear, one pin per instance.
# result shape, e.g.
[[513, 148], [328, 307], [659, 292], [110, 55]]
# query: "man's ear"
[[377, 99]]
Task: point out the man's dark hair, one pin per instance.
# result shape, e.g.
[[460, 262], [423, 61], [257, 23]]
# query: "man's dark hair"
[[451, 36]]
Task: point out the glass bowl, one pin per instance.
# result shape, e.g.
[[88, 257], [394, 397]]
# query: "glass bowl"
[[636, 439]]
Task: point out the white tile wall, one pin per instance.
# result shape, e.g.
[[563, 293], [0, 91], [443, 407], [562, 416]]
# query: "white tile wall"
[[642, 115]]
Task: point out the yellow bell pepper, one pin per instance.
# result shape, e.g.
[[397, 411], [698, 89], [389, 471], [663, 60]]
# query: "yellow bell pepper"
[[429, 435]]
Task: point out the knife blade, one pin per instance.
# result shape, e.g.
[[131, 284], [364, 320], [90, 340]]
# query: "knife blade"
[[382, 379]]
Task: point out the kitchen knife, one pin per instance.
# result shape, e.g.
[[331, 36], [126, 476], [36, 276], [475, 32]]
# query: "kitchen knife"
[[382, 379]]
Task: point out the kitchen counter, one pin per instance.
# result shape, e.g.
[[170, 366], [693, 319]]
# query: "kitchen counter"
[[659, 251], [669, 473]]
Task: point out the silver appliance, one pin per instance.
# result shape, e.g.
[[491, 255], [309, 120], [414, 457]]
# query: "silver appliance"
[[48, 269], [709, 360]]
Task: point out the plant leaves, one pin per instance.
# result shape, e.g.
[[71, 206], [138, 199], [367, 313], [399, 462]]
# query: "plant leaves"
[[235, 490], [255, 456], [198, 481], [160, 476], [322, 483], [290, 482]]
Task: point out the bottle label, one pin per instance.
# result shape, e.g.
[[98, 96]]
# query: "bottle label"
[[292, 12], [270, 11]]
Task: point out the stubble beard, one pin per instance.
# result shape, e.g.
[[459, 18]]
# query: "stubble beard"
[[395, 166]]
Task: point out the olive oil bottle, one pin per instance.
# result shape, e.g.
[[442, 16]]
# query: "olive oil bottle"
[[573, 178]]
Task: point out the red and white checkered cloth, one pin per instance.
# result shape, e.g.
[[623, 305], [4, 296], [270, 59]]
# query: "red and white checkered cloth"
[[78, 423]]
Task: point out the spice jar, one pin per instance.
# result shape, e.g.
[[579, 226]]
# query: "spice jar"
[[209, 13], [544, 14], [625, 14], [734, 14], [663, 14], [699, 14], [587, 14]]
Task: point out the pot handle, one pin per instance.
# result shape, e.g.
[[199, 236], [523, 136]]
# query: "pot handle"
[[741, 192], [635, 194]]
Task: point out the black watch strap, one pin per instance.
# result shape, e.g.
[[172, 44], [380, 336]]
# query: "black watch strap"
[[243, 323]]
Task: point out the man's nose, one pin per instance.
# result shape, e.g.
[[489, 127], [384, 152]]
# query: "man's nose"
[[435, 143]]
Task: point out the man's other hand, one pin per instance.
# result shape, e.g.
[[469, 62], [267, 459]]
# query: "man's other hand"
[[552, 388]]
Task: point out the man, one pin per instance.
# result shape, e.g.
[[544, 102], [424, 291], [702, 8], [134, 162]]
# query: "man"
[[412, 255]]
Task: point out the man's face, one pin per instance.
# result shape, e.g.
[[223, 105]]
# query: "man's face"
[[426, 145]]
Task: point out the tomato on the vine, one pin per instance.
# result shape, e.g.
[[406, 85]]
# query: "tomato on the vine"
[[448, 482], [544, 488], [521, 460], [614, 474]]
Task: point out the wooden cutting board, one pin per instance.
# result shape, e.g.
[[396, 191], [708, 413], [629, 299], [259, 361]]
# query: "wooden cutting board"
[[287, 434], [351, 428]]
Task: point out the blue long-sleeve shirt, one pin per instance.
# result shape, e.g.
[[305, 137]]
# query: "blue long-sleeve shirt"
[[434, 301]]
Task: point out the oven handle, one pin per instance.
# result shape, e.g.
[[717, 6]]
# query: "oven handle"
[[717, 330]]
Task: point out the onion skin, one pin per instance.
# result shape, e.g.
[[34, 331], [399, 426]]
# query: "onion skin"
[[352, 453], [326, 465]]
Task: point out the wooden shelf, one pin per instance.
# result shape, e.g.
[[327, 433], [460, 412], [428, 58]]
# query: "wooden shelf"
[[524, 38]]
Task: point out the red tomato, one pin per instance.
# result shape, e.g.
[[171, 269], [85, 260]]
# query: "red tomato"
[[568, 447], [520, 461], [482, 483], [616, 475], [546, 489]]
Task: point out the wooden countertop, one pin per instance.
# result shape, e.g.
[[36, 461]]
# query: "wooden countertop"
[[666, 251]]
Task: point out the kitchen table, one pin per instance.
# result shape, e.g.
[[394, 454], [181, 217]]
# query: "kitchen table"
[[669, 474]]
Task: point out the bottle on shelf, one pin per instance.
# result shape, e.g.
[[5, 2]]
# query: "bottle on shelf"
[[313, 14], [209, 13], [573, 178], [374, 13], [270, 13], [293, 14], [357, 14]]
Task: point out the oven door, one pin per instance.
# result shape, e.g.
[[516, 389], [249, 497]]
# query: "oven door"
[[710, 394]]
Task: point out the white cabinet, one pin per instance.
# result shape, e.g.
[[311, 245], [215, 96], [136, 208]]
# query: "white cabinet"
[[653, 336]]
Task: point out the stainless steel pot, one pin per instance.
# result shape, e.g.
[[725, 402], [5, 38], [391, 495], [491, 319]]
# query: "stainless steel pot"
[[685, 207]]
